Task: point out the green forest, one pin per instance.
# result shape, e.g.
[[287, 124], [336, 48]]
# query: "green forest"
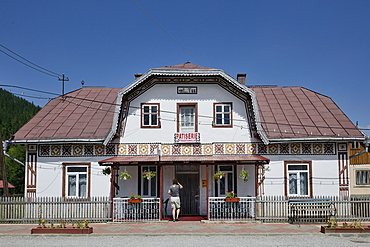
[[14, 113]]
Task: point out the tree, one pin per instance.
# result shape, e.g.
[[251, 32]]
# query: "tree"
[[14, 113]]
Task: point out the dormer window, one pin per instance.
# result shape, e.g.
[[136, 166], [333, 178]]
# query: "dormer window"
[[222, 115], [150, 116]]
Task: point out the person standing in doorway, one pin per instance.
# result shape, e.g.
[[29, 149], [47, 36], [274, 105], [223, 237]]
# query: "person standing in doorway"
[[174, 191]]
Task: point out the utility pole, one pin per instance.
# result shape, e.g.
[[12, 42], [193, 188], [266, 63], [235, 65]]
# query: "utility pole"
[[2, 163], [63, 79]]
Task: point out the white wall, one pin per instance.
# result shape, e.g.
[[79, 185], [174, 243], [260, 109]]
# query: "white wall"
[[49, 176], [126, 187], [247, 188], [166, 95], [324, 174]]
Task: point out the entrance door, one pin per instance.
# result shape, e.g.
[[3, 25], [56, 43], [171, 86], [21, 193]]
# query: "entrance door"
[[189, 195]]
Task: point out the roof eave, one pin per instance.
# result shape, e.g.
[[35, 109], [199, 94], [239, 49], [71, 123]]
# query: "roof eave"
[[92, 140], [116, 115], [316, 139]]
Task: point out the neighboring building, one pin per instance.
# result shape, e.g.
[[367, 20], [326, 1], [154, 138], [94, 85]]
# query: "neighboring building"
[[359, 170], [10, 186], [188, 122]]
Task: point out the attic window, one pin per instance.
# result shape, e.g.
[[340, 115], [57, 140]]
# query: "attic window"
[[222, 115], [150, 116]]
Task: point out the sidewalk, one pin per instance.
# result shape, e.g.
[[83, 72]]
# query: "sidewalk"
[[181, 228]]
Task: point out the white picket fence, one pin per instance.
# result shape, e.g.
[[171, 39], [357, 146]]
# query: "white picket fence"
[[276, 209], [54, 209], [99, 209]]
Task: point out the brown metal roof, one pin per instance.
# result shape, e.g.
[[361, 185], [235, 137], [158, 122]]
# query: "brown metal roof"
[[86, 113], [296, 112], [285, 112], [184, 158], [187, 65]]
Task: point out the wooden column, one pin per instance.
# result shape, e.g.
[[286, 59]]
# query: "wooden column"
[[112, 173], [207, 192], [161, 191]]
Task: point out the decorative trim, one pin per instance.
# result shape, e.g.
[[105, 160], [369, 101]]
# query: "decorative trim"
[[32, 147], [88, 150], [342, 146], [31, 174]]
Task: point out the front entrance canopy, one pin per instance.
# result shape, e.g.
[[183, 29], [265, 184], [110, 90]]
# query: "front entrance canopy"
[[205, 159]]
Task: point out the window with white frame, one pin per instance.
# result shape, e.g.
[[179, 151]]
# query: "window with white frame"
[[298, 179], [222, 115], [150, 115], [226, 184], [187, 118], [76, 181], [149, 186], [362, 177]]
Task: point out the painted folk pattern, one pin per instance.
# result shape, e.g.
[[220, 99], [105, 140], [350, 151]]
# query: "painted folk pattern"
[[187, 149]]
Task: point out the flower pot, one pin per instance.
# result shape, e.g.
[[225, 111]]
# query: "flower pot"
[[235, 199], [62, 230], [136, 200], [341, 229]]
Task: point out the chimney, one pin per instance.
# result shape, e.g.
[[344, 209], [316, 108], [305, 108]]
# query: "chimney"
[[241, 78], [137, 76]]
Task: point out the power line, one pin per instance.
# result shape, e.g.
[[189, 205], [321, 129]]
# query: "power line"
[[205, 116], [29, 89], [29, 96], [145, 12], [66, 97], [51, 73]]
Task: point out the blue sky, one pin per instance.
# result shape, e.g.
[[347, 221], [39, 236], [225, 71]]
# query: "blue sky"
[[320, 45]]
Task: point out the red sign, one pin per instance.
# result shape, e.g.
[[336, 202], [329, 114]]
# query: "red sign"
[[187, 137]]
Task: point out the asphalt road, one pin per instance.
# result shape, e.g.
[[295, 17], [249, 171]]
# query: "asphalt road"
[[184, 240]]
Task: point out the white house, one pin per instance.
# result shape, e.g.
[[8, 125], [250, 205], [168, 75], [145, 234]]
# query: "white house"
[[188, 122]]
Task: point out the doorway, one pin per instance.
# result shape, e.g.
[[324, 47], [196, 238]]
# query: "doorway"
[[189, 196]]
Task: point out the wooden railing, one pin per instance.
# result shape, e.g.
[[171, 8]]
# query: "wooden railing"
[[54, 209], [147, 210]]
